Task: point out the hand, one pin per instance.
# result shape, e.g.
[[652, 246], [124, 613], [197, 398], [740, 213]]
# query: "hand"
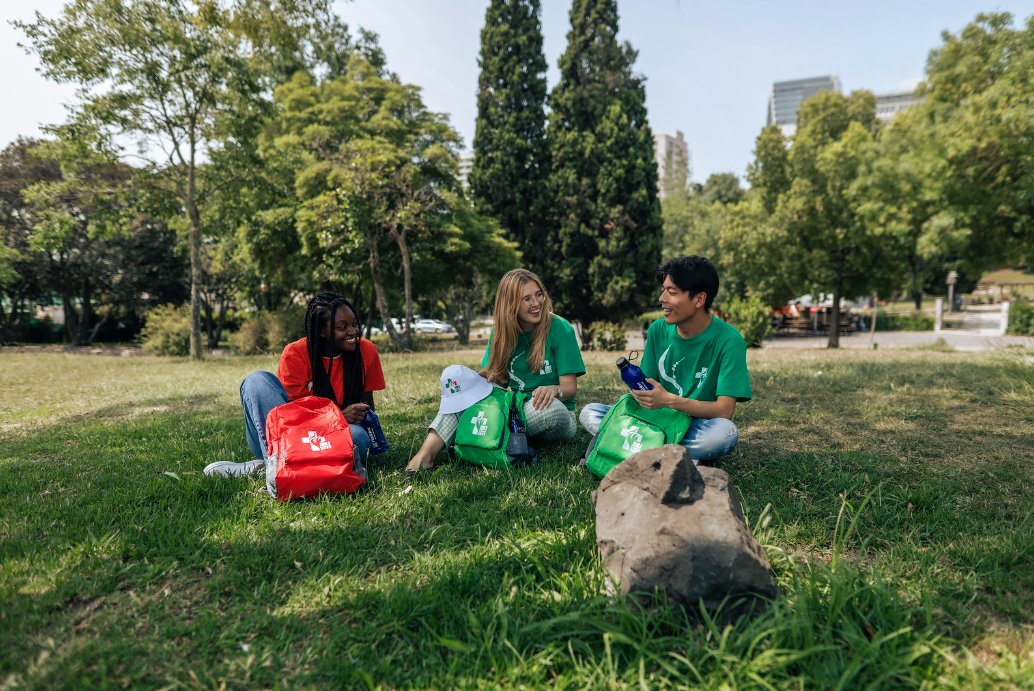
[[655, 398], [355, 413], [487, 375], [542, 397]]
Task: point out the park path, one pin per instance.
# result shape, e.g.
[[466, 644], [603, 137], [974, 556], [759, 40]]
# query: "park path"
[[959, 340]]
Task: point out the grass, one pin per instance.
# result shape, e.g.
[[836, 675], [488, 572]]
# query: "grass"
[[900, 492]]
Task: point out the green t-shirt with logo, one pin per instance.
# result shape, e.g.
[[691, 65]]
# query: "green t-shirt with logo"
[[711, 364], [562, 356]]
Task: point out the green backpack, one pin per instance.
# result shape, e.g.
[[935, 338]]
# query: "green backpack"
[[484, 437], [629, 428]]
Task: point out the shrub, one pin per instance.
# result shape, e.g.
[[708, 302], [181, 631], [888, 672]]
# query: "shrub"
[[604, 336], [908, 321], [751, 317], [167, 330], [269, 332], [1021, 318]]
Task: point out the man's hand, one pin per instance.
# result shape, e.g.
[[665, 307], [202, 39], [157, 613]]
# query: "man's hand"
[[655, 398], [542, 397], [355, 413]]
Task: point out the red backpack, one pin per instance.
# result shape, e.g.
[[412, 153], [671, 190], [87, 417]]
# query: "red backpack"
[[310, 451]]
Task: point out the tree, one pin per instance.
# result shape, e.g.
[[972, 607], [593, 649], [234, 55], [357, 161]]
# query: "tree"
[[607, 217], [170, 73], [821, 238], [372, 163], [977, 104], [510, 173], [22, 269], [470, 264], [101, 253], [723, 188]]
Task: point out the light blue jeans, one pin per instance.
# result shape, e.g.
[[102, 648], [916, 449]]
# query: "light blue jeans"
[[261, 392], [706, 439]]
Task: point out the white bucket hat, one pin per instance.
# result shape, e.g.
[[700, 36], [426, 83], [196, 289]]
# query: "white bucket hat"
[[462, 387]]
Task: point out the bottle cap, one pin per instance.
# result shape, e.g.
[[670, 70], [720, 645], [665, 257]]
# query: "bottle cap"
[[622, 363]]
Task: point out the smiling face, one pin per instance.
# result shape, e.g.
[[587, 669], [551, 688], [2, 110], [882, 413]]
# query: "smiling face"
[[341, 332], [529, 307], [677, 304]]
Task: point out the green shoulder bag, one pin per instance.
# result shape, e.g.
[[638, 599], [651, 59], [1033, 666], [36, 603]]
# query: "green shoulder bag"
[[629, 428], [485, 434]]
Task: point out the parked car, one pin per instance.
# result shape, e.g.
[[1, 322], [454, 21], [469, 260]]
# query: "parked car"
[[431, 326]]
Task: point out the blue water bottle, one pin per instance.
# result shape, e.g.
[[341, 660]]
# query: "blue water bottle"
[[632, 375], [378, 443]]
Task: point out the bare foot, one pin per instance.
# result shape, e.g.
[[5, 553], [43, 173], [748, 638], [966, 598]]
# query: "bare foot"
[[424, 458]]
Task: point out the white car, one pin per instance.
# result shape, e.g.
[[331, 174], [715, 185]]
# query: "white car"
[[431, 326]]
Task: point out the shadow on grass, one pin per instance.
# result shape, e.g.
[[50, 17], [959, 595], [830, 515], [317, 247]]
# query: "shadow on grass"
[[139, 575]]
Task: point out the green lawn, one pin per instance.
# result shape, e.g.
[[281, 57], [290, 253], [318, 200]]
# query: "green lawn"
[[901, 492]]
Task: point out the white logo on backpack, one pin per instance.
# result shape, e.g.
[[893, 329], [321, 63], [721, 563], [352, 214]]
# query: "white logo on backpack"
[[480, 424], [633, 440], [316, 442]]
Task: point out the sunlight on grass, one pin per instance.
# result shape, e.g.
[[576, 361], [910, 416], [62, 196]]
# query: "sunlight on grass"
[[899, 488]]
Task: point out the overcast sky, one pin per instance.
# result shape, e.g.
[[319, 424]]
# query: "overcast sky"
[[708, 64]]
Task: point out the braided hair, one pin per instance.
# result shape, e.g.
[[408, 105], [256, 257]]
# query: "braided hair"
[[318, 314]]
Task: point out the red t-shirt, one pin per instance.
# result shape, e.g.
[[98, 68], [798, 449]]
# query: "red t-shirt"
[[296, 375]]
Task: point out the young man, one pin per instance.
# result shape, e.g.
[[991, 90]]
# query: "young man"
[[695, 362]]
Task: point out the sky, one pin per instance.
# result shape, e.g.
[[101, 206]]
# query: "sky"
[[708, 64]]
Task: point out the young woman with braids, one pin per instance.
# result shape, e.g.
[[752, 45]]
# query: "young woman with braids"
[[332, 361], [531, 350]]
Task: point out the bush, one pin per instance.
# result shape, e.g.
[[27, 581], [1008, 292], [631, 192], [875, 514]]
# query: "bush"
[[42, 330], [908, 321], [604, 336], [1021, 318], [167, 331], [751, 317], [269, 332]]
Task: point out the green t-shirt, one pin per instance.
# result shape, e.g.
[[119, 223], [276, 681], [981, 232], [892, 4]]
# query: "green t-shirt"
[[711, 364], [561, 357]]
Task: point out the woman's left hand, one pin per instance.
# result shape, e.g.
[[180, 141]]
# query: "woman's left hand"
[[542, 397], [355, 413]]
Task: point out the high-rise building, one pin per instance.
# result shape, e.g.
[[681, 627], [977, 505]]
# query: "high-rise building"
[[466, 163], [666, 150], [786, 97]]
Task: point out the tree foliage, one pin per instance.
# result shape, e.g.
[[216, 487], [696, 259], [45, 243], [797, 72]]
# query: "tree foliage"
[[608, 234], [510, 173]]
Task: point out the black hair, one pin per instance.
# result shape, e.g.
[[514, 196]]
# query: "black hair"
[[692, 274], [320, 311]]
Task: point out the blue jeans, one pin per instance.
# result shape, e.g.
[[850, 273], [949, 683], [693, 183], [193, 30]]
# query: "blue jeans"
[[261, 392], [706, 439]]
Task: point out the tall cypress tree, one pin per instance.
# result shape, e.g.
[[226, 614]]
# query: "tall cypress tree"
[[608, 228], [509, 178]]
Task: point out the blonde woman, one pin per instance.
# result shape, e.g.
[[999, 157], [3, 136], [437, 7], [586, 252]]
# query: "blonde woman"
[[530, 350]]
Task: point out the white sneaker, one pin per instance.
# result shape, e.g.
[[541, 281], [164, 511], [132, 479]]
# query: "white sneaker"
[[228, 468]]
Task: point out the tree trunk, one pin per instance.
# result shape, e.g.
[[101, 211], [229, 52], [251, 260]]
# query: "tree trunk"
[[85, 315], [407, 282], [196, 351], [382, 299], [834, 326], [223, 304], [917, 298], [71, 319], [206, 307], [104, 320], [369, 312]]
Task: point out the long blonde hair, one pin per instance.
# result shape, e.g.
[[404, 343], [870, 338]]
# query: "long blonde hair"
[[507, 330]]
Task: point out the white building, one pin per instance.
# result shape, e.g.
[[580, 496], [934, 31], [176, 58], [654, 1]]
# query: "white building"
[[889, 105], [786, 97], [466, 163], [666, 148]]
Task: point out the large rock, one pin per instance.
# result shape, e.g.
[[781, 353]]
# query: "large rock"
[[662, 523]]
